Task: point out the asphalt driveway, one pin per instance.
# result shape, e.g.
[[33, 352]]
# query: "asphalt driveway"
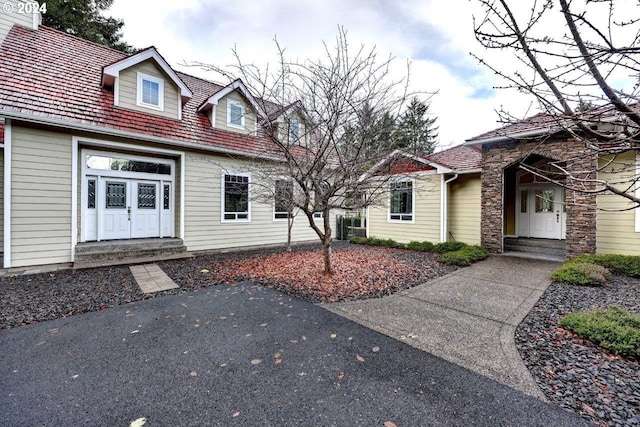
[[240, 355]]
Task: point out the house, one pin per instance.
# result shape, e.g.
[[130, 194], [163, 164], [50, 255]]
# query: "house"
[[434, 198], [517, 204], [99, 146], [478, 193]]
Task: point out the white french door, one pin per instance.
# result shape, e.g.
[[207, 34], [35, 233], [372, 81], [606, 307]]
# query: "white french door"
[[541, 212], [115, 209], [145, 209]]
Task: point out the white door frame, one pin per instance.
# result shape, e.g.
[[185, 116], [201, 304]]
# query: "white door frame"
[[558, 208], [101, 174]]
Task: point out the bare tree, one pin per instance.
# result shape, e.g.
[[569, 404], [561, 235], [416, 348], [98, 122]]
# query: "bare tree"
[[317, 113], [586, 79]]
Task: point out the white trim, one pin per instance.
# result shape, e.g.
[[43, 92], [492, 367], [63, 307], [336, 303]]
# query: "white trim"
[[179, 108], [444, 206], [637, 192], [413, 202], [213, 116], [236, 84], [116, 92], [93, 147], [141, 77], [74, 197], [222, 198], [232, 103], [7, 194], [111, 72]]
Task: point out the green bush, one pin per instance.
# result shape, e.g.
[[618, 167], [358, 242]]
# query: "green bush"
[[581, 273], [615, 329], [374, 241], [465, 256], [626, 265], [449, 246], [420, 246], [358, 240]]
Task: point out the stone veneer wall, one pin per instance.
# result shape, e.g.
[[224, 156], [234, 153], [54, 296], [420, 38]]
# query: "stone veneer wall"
[[581, 207]]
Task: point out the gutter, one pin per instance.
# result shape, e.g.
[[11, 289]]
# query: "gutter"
[[502, 138], [131, 135], [444, 200]]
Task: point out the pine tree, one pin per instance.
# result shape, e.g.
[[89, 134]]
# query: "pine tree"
[[416, 131], [83, 18]]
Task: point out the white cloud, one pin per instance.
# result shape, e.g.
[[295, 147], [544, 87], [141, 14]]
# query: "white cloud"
[[435, 35]]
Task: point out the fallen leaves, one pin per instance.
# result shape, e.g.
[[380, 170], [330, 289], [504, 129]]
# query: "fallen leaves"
[[389, 424], [193, 373], [256, 361], [359, 358], [375, 349], [359, 271]]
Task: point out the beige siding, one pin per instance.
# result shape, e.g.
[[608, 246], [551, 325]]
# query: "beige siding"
[[464, 209], [426, 225], [221, 114], [40, 197], [616, 232], [128, 89], [15, 17], [204, 229], [2, 199]]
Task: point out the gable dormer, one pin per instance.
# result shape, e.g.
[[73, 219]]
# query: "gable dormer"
[[145, 82], [292, 122], [232, 108]]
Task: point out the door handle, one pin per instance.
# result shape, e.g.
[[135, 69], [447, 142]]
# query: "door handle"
[[557, 216], [129, 213]]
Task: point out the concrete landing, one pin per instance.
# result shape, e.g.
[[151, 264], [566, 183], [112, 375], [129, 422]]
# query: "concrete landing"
[[151, 278]]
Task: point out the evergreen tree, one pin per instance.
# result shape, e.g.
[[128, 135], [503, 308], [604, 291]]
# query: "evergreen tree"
[[83, 18], [416, 131]]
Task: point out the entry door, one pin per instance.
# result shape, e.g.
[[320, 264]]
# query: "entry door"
[[115, 213], [547, 216], [145, 209]]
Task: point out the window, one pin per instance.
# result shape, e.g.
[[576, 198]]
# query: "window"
[[318, 215], [91, 194], [524, 196], [282, 206], [150, 91], [294, 130], [544, 201], [116, 195], [401, 203], [165, 195], [236, 198], [126, 165], [235, 114], [146, 196]]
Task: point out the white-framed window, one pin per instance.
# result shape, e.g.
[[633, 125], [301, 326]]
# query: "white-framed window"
[[235, 114], [235, 197], [318, 215], [401, 201], [150, 92], [283, 199], [295, 130]]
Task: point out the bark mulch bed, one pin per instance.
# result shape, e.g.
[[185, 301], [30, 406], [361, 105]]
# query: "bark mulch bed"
[[360, 272], [574, 373]]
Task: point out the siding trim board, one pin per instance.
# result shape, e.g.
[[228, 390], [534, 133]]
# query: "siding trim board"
[[7, 194]]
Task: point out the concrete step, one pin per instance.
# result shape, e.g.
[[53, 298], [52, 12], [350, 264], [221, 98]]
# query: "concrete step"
[[534, 242], [99, 254], [125, 261], [535, 250]]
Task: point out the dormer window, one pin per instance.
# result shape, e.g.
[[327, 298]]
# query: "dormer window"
[[294, 130], [235, 114], [150, 92]]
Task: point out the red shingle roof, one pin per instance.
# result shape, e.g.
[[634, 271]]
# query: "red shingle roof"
[[460, 158], [51, 75], [539, 122]]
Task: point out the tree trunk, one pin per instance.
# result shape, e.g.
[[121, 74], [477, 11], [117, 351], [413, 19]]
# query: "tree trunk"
[[289, 228], [326, 252], [326, 243]]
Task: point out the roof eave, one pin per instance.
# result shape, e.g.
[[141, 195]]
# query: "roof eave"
[[510, 137]]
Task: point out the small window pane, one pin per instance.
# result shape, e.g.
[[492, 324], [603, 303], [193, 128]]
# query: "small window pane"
[[235, 114], [166, 196], [116, 195], [126, 165], [91, 194], [283, 199], [150, 92], [294, 130], [401, 206], [524, 195], [146, 196], [564, 200], [544, 200]]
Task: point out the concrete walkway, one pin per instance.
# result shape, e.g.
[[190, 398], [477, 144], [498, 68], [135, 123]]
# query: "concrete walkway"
[[467, 317]]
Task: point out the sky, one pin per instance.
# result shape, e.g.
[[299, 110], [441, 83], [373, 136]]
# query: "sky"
[[436, 36]]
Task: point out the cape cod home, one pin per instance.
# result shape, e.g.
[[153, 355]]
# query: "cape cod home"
[[99, 146]]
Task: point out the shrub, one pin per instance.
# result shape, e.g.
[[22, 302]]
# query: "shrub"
[[420, 246], [464, 256], [358, 240], [374, 241], [449, 246], [615, 329], [625, 265], [581, 273]]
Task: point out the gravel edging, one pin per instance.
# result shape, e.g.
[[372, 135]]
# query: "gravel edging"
[[574, 373]]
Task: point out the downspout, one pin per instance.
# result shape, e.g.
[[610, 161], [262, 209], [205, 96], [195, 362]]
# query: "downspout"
[[443, 206]]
